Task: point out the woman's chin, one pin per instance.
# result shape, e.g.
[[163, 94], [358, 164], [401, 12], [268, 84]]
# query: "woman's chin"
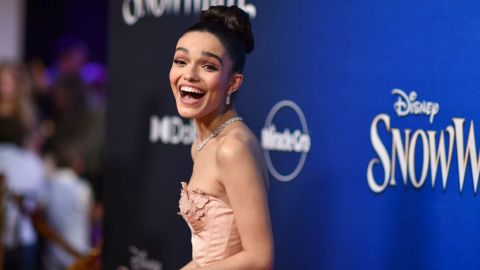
[[187, 113]]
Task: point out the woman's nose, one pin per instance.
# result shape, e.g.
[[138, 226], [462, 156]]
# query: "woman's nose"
[[191, 74]]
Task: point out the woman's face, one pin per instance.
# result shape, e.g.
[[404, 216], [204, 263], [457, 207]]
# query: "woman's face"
[[200, 75], [7, 85]]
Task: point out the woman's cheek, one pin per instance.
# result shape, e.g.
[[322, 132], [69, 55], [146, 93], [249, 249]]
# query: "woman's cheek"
[[173, 77]]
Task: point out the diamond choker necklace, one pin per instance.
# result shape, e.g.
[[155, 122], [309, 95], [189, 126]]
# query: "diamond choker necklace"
[[217, 131]]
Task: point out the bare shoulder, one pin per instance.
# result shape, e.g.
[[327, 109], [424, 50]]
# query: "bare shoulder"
[[239, 154], [237, 144]]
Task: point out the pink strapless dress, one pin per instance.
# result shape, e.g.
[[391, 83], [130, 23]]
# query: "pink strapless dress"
[[211, 221]]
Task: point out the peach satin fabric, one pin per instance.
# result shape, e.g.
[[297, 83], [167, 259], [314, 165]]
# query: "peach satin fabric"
[[211, 221]]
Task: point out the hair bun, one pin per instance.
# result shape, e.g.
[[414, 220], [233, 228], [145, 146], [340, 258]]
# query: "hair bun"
[[235, 19]]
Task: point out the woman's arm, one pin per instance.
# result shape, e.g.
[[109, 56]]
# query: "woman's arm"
[[241, 169]]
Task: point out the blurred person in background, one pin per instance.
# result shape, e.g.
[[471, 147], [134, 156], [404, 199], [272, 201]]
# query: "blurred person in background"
[[21, 168], [78, 104], [73, 119], [69, 108], [24, 175], [17, 104], [71, 56], [15, 97], [68, 205]]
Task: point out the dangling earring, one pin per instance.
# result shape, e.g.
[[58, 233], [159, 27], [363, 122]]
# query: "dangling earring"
[[228, 99]]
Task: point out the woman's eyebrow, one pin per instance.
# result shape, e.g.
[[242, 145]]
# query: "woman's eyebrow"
[[209, 54], [182, 49], [204, 53]]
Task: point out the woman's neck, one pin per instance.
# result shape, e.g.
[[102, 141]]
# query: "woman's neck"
[[205, 125]]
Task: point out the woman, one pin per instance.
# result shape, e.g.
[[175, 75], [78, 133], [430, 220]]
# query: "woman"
[[22, 169], [15, 97], [225, 202]]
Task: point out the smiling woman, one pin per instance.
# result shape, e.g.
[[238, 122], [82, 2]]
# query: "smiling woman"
[[225, 201]]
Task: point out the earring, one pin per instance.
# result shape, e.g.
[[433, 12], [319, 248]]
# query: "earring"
[[228, 99]]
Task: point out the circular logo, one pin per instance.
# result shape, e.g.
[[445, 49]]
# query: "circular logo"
[[286, 141]]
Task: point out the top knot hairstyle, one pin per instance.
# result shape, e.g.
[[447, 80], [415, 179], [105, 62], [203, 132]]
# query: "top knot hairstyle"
[[231, 25]]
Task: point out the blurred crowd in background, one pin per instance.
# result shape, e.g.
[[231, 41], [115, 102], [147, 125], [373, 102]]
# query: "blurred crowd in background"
[[51, 160]]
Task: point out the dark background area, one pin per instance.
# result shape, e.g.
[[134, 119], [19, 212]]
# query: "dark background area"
[[47, 21]]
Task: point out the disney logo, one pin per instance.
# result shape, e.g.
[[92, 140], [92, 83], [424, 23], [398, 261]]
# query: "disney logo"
[[408, 104], [140, 261]]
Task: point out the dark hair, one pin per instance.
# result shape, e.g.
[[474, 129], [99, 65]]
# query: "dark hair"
[[67, 152], [12, 131], [231, 25]]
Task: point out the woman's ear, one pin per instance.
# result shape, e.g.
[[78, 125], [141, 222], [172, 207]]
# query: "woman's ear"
[[235, 83]]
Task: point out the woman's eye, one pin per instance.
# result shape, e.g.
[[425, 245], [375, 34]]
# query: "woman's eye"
[[210, 67], [179, 62]]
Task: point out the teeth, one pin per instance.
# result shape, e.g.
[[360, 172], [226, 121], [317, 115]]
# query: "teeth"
[[190, 90]]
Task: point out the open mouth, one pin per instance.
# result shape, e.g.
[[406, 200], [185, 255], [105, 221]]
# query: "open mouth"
[[188, 92]]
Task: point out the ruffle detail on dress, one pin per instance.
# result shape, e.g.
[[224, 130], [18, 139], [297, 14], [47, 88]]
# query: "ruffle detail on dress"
[[192, 203]]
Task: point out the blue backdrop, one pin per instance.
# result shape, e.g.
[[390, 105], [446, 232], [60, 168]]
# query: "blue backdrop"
[[338, 62]]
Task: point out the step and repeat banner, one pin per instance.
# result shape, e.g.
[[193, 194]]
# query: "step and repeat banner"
[[367, 113]]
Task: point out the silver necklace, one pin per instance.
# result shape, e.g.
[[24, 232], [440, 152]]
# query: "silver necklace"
[[217, 131]]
